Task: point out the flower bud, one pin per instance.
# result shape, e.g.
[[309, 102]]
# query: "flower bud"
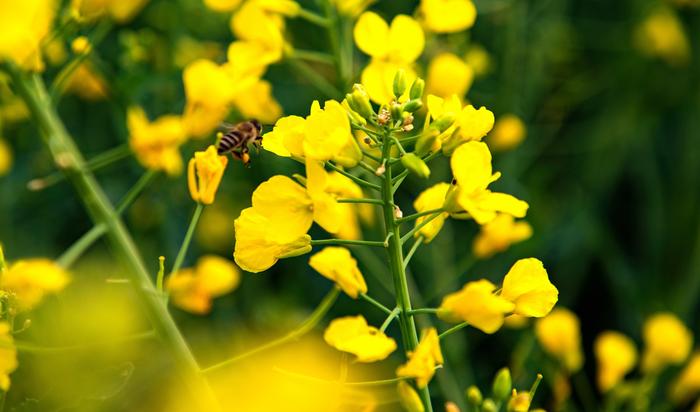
[[474, 396], [204, 173], [396, 111], [415, 165], [489, 406], [427, 142], [417, 89], [352, 112], [361, 100], [413, 105], [443, 122], [399, 83], [502, 384], [409, 398]]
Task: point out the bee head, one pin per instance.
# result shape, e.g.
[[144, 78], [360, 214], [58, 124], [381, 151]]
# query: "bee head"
[[257, 124]]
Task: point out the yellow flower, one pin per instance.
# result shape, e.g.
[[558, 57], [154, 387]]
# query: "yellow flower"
[[431, 198], [30, 280], [204, 173], [342, 187], [209, 89], [258, 244], [666, 341], [478, 59], [81, 45], [448, 16], [193, 289], [8, 355], [336, 264], [519, 401], [5, 157], [257, 102], [352, 334], [508, 132], [471, 125], [156, 143], [87, 84], [55, 52], [559, 333], [476, 304], [286, 137], [662, 35], [25, 24], [687, 385], [222, 5], [120, 10], [448, 75], [351, 8], [423, 360], [527, 285], [248, 60], [497, 235], [471, 167], [391, 48], [616, 356], [409, 398], [257, 23]]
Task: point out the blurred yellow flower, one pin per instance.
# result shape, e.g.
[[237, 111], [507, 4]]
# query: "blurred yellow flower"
[[662, 35], [448, 16], [667, 341], [257, 102], [215, 229], [687, 385], [259, 244], [5, 157], [55, 52], [30, 280], [409, 398], [209, 90], [8, 355], [391, 48], [156, 144], [423, 360], [477, 305], [87, 84], [222, 5], [527, 285], [120, 10], [257, 22], [81, 45], [519, 401], [352, 334], [430, 199], [248, 60], [616, 356], [25, 24], [478, 59], [471, 167], [351, 8], [508, 132], [559, 333], [448, 75], [204, 173], [193, 289], [497, 235], [338, 265]]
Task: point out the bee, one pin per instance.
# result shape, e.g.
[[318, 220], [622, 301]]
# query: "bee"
[[238, 139]]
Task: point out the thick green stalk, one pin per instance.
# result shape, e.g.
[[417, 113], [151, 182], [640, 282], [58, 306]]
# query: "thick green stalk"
[[407, 325], [69, 158]]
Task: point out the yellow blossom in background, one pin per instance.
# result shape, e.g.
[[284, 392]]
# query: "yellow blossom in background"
[[338, 265], [448, 75], [188, 49], [508, 132], [662, 35], [8, 355], [409, 398], [423, 360], [257, 102], [351, 8], [222, 5], [430, 199], [616, 355], [448, 16], [352, 334], [559, 334], [81, 45], [204, 173], [30, 280], [687, 384], [253, 22], [667, 341], [519, 401], [516, 321], [477, 305], [527, 285], [209, 90], [87, 84], [478, 59], [5, 157], [392, 47], [120, 10], [286, 137], [25, 24], [193, 289], [497, 235], [247, 62], [471, 167], [258, 244], [55, 52], [156, 144]]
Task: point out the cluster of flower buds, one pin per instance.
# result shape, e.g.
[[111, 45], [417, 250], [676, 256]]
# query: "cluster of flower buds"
[[502, 395]]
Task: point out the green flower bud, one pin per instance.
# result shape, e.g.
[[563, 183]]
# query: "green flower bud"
[[415, 165], [413, 105], [409, 398], [502, 385], [489, 406], [426, 141], [417, 89], [399, 83], [444, 122], [396, 111], [361, 101], [474, 396], [352, 112]]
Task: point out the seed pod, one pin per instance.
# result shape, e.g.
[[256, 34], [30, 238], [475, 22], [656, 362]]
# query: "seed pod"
[[489, 406]]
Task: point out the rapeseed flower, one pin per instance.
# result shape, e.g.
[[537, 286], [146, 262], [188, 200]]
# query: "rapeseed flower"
[[262, 22], [478, 305], [616, 356], [687, 385], [559, 334], [352, 334], [478, 59], [156, 144], [508, 132], [25, 24], [667, 341], [662, 35], [5, 157], [527, 285], [257, 102], [341, 186], [469, 124], [193, 289], [120, 10], [430, 199], [338, 265], [8, 355], [87, 84], [28, 281], [497, 235], [447, 16], [204, 173], [448, 75], [222, 5], [423, 360]]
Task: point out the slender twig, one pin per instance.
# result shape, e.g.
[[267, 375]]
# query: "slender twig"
[[417, 215], [420, 226], [314, 18], [376, 303], [367, 167], [398, 145], [453, 329], [394, 313], [188, 238], [416, 244], [419, 311], [321, 242], [318, 81], [312, 55], [354, 178], [361, 200]]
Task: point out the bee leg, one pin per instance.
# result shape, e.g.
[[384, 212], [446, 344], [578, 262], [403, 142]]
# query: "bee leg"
[[245, 157], [236, 155]]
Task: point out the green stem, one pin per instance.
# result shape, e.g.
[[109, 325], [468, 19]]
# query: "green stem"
[[419, 227], [314, 18], [419, 311], [453, 329], [370, 201], [161, 274], [412, 251], [376, 303], [188, 238], [3, 265], [318, 81], [403, 299], [354, 178], [66, 153], [303, 329], [321, 242], [417, 215], [313, 56], [394, 313]]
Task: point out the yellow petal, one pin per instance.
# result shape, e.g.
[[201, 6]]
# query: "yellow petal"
[[372, 34], [286, 205], [286, 138], [336, 264], [448, 75], [378, 79], [352, 334], [559, 333], [528, 287], [616, 356], [476, 304], [471, 166], [406, 40], [667, 341], [448, 16], [429, 199]]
